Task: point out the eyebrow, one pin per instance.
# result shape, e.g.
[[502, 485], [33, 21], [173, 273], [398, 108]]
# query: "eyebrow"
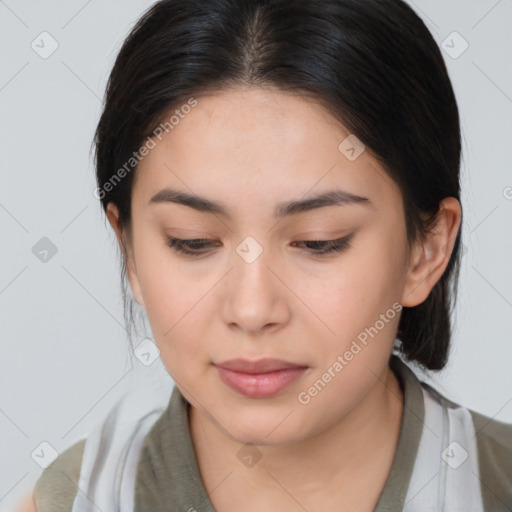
[[287, 208]]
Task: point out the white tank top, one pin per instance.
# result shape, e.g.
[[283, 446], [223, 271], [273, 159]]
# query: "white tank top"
[[439, 483]]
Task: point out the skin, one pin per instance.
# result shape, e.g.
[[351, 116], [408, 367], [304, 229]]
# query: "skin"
[[27, 504], [252, 148]]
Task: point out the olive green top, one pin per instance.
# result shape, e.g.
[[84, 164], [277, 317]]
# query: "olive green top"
[[168, 477]]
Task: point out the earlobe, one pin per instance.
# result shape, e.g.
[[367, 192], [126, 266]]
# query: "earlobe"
[[133, 278], [113, 217], [432, 255]]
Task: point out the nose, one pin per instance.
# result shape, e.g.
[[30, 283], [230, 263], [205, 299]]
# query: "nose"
[[256, 298]]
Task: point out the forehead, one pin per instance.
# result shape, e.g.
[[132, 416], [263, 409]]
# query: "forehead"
[[245, 145]]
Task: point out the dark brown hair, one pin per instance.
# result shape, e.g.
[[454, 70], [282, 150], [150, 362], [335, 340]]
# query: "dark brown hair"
[[372, 63]]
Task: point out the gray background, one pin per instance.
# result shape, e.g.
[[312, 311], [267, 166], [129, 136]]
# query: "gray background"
[[65, 357]]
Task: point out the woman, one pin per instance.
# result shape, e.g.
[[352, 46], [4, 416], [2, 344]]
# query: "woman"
[[283, 181]]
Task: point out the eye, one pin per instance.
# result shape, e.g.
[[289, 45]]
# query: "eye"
[[189, 247], [196, 247], [321, 247]]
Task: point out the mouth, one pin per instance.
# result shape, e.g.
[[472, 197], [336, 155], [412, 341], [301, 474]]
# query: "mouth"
[[259, 379]]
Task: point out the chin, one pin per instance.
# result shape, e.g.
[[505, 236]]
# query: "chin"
[[260, 438], [262, 429]]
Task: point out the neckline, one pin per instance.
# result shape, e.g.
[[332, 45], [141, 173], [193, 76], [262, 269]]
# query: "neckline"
[[397, 483]]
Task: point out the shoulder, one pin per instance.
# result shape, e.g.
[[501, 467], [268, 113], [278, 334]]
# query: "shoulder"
[[493, 437], [494, 449], [57, 486], [494, 442]]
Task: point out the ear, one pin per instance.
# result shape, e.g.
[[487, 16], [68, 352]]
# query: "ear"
[[127, 251], [430, 258]]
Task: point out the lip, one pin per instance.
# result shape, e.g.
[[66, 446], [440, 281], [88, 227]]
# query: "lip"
[[258, 379]]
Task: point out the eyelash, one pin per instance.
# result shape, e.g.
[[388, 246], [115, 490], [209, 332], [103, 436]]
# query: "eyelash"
[[332, 246]]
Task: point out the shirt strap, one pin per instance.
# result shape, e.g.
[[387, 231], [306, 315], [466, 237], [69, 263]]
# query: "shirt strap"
[[446, 473], [111, 450]]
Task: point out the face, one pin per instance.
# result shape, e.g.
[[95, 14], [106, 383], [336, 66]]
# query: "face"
[[257, 285]]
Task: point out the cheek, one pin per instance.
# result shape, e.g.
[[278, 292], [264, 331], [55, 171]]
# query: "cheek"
[[351, 289], [356, 301], [175, 316], [167, 294], [175, 303], [173, 307]]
